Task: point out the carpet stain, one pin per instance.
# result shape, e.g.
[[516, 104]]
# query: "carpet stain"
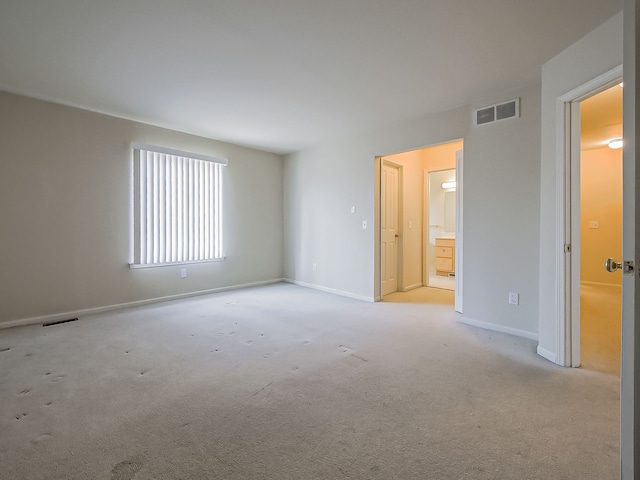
[[4, 349], [263, 388], [24, 392], [40, 438], [127, 469], [359, 357]]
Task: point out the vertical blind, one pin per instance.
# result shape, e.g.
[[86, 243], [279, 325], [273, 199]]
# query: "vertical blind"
[[177, 207]]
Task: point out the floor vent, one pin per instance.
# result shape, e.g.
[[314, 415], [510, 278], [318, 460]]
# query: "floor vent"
[[497, 112], [59, 322]]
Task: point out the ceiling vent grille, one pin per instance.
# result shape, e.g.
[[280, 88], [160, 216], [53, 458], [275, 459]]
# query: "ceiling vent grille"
[[497, 112]]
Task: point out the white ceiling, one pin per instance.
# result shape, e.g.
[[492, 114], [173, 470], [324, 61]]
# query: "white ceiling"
[[282, 75]]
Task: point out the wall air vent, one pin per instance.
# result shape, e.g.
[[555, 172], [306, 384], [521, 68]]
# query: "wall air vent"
[[496, 113]]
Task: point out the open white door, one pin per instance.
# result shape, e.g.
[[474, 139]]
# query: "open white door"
[[390, 228], [458, 294], [630, 374]]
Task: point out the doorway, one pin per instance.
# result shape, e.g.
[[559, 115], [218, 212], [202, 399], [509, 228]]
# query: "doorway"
[[596, 230], [440, 199], [416, 228]]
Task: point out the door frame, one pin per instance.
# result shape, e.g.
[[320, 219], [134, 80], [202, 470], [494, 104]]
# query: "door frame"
[[459, 223], [426, 231], [377, 218], [568, 208]]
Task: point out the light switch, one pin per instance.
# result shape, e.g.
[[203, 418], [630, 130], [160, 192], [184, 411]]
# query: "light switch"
[[364, 224], [594, 224]]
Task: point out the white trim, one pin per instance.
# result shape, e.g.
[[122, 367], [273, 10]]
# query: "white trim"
[[562, 292], [602, 285], [138, 303], [497, 328], [179, 153], [186, 262], [334, 291], [544, 353], [412, 287], [459, 252]]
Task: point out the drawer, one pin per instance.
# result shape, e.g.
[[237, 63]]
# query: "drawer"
[[444, 264], [445, 242], [444, 252]]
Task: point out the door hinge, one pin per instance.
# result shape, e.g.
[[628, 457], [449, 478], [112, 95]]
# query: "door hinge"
[[567, 248]]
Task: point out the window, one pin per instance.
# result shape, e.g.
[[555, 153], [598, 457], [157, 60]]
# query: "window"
[[177, 207]]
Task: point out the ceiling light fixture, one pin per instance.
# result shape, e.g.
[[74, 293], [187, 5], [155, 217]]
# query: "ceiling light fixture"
[[615, 143], [449, 185]]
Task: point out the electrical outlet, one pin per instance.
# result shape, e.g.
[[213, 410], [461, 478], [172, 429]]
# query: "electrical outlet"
[[183, 273], [514, 298], [314, 267]]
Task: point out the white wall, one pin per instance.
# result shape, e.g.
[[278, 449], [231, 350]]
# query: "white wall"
[[593, 55], [501, 194], [64, 212]]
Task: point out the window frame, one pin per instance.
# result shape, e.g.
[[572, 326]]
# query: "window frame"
[[137, 203]]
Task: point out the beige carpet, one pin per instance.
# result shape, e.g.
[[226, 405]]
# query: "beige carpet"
[[426, 295], [282, 382], [600, 327]]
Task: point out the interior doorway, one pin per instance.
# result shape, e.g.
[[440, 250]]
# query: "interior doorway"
[[440, 200], [420, 230], [596, 212]]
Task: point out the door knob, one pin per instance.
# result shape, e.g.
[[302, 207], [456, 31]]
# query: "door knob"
[[611, 265]]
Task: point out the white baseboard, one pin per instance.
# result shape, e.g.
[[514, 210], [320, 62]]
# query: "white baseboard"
[[411, 287], [602, 285], [342, 293], [498, 328], [138, 303], [544, 353]]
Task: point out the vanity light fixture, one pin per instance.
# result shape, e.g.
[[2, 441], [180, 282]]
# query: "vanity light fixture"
[[615, 143], [449, 185]]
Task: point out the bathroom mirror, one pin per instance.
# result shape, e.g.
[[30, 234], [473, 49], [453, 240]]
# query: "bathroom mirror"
[[450, 212]]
